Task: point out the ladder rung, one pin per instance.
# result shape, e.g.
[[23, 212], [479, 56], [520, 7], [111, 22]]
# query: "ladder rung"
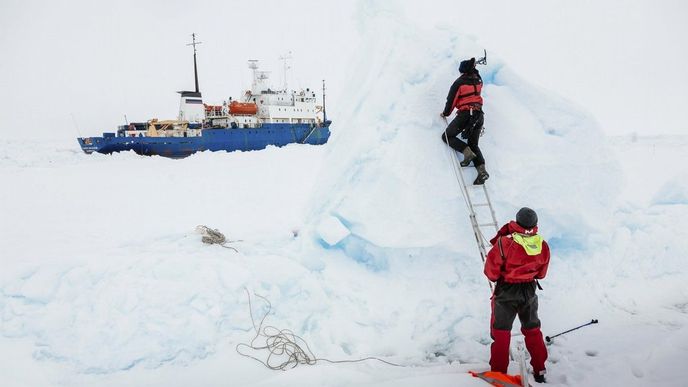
[[487, 224]]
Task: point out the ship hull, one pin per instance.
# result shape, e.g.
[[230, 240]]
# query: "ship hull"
[[222, 139]]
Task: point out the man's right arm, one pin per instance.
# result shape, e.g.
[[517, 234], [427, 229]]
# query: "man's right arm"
[[502, 232], [493, 264], [450, 98]]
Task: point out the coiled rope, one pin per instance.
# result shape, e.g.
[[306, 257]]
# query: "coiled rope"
[[285, 349], [214, 236]]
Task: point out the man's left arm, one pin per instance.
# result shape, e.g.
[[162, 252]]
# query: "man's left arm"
[[545, 255]]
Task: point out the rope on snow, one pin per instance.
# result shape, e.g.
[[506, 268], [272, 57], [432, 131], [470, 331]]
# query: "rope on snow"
[[284, 342], [214, 236]]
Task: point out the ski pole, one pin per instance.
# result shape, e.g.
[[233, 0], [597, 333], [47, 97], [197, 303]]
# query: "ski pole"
[[549, 338]]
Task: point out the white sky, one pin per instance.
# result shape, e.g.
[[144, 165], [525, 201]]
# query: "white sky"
[[624, 61]]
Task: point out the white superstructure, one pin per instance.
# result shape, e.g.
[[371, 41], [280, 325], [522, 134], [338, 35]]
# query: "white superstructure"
[[257, 106], [278, 106], [191, 107]]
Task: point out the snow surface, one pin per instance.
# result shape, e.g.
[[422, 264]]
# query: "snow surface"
[[363, 246]]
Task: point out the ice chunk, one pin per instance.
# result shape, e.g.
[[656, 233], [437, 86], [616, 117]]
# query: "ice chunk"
[[674, 191], [332, 231]]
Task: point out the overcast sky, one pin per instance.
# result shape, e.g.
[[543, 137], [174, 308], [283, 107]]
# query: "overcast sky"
[[91, 62]]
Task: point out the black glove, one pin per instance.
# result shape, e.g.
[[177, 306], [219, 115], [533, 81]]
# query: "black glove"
[[464, 134]]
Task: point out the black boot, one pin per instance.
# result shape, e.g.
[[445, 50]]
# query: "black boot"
[[482, 175], [539, 378], [468, 156]]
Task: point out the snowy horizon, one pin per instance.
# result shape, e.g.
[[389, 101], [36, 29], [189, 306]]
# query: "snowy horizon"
[[60, 57]]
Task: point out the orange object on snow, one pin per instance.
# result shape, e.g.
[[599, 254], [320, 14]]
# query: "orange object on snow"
[[498, 379], [243, 108]]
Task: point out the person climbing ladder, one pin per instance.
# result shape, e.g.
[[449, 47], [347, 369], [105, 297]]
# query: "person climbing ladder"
[[464, 95]]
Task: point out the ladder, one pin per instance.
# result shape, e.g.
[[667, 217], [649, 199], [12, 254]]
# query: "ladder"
[[473, 194], [476, 197]]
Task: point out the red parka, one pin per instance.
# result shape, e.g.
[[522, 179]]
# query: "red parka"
[[525, 255], [464, 93]]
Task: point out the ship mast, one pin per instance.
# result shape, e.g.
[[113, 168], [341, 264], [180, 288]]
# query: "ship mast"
[[194, 43], [324, 111], [284, 59]]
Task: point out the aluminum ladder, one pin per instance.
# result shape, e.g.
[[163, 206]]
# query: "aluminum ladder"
[[472, 195], [476, 196]]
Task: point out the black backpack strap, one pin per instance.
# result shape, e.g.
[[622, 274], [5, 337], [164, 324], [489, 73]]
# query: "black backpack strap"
[[474, 92], [501, 251]]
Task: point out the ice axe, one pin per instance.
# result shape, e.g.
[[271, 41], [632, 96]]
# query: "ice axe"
[[549, 338], [483, 60]]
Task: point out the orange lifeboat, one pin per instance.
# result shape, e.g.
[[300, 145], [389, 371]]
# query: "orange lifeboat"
[[243, 108]]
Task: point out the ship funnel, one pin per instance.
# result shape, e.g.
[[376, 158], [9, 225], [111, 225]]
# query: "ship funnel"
[[191, 106]]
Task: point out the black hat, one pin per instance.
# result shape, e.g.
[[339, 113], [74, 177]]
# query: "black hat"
[[526, 218], [467, 65]]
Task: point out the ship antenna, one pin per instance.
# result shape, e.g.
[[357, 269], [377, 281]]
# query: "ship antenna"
[[253, 65], [194, 43], [324, 111], [284, 59], [76, 126]]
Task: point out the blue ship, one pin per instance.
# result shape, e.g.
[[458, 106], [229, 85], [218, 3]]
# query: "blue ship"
[[261, 117]]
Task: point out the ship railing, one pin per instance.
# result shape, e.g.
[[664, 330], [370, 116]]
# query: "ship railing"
[[215, 114]]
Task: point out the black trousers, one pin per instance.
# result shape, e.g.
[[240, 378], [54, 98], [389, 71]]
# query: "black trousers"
[[473, 124], [515, 299], [508, 301]]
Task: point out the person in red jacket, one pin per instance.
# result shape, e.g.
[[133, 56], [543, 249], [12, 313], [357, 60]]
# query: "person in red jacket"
[[464, 95], [518, 258]]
